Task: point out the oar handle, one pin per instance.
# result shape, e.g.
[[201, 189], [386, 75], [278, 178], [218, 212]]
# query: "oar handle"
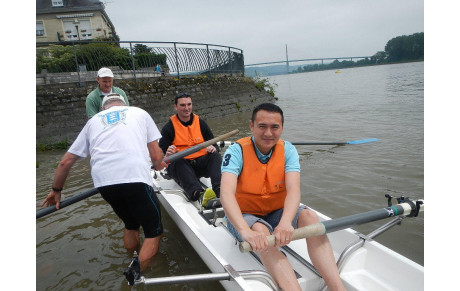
[[336, 224], [299, 233], [67, 202], [191, 150]]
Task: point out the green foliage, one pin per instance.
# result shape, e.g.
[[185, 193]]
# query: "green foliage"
[[97, 55], [264, 84], [56, 58], [405, 48], [141, 49], [148, 60], [61, 58], [379, 57]]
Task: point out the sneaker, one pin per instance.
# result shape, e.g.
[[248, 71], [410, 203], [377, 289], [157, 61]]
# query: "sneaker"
[[207, 196], [133, 272]]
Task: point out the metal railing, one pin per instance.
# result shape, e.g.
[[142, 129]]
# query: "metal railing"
[[78, 61]]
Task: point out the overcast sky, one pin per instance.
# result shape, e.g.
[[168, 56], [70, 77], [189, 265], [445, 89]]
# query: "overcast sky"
[[262, 28]]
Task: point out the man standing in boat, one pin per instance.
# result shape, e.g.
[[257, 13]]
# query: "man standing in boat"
[[104, 88], [260, 193], [184, 130], [120, 139]]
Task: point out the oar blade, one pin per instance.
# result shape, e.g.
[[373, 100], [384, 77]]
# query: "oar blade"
[[361, 141]]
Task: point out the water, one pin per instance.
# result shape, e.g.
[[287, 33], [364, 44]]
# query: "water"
[[81, 246]]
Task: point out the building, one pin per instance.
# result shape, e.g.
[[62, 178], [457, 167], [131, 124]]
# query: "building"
[[73, 20]]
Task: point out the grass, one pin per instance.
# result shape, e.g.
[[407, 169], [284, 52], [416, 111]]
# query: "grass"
[[61, 145]]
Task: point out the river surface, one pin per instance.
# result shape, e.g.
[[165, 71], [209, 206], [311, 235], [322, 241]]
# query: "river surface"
[[81, 246]]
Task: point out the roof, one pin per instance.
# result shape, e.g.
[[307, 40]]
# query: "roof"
[[44, 6]]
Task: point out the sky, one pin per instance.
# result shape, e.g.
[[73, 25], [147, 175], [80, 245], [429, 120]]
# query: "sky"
[[262, 29]]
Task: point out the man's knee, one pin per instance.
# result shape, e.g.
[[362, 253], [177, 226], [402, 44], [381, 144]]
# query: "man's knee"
[[307, 217], [260, 227]]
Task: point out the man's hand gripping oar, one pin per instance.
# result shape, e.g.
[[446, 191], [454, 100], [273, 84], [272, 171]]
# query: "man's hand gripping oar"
[[406, 207], [189, 151], [167, 160]]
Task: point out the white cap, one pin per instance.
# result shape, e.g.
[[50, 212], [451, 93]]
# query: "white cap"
[[111, 97], [105, 72]]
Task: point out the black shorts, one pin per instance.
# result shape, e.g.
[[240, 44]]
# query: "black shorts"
[[136, 205]]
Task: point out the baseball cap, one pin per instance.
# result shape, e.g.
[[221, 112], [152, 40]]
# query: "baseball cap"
[[111, 97], [105, 72]]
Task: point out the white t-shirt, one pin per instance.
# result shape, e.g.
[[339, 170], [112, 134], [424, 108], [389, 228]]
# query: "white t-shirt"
[[116, 139]]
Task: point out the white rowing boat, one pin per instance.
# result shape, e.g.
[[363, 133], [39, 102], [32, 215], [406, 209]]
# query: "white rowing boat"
[[363, 263]]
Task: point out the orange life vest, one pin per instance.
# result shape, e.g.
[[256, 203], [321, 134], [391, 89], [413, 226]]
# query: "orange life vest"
[[188, 136], [261, 188]]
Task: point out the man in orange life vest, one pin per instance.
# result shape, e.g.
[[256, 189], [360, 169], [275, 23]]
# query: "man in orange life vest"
[[184, 130], [260, 193]]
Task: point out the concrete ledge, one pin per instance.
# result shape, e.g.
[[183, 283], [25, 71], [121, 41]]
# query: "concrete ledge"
[[61, 113]]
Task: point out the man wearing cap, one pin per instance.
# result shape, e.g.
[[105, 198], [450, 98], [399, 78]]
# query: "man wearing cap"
[[184, 130], [105, 87], [120, 140]]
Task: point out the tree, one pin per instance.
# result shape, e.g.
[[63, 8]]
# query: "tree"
[[379, 57], [141, 48], [404, 48]]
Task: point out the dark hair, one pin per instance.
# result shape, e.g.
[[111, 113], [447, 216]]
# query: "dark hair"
[[270, 107], [181, 95]]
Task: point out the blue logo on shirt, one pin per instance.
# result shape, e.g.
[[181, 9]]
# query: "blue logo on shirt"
[[113, 117]]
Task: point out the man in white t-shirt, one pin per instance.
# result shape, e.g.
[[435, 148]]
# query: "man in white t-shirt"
[[120, 140]]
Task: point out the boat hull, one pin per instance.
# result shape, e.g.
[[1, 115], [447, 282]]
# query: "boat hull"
[[371, 267]]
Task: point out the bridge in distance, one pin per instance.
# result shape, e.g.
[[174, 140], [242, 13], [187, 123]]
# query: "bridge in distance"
[[306, 60]]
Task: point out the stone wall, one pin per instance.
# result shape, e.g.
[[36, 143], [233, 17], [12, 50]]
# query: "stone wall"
[[61, 114]]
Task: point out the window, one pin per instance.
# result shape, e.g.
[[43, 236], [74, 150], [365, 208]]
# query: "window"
[[40, 29], [57, 3]]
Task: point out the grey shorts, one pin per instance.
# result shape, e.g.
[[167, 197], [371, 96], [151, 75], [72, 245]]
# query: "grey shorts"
[[270, 220]]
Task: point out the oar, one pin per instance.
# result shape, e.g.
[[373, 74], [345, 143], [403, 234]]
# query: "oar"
[[361, 141], [189, 151], [67, 202], [167, 160], [408, 208]]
